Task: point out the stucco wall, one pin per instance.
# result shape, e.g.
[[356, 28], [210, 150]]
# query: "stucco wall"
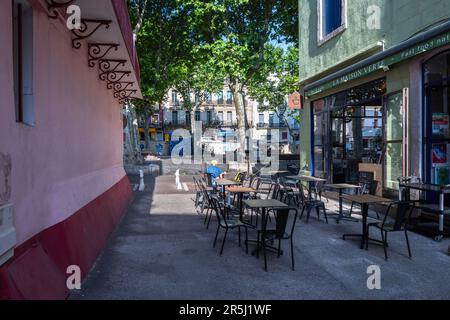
[[399, 21], [355, 40], [75, 152]]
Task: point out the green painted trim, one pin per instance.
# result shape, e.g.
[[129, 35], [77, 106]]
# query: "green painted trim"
[[421, 48]]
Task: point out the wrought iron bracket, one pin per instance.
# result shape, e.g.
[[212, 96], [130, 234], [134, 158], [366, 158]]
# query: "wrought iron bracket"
[[98, 51], [109, 70], [54, 6], [88, 28], [119, 85]]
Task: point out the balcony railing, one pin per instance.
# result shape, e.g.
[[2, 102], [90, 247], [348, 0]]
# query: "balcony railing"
[[271, 125]]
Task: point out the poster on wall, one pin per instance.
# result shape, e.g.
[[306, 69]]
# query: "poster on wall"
[[440, 124], [441, 175], [439, 154]]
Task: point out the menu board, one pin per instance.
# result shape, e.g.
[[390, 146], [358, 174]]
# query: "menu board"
[[440, 124]]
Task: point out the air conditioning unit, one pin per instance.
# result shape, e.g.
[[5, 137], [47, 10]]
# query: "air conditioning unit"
[[7, 233]]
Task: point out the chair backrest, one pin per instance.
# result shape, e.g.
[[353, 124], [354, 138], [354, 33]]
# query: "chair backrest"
[[274, 191], [402, 214], [281, 221], [219, 209], [209, 179]]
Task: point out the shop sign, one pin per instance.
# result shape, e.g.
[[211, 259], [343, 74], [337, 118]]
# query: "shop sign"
[[379, 65]]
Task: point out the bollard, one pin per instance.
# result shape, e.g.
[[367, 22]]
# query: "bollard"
[[142, 184], [177, 180]]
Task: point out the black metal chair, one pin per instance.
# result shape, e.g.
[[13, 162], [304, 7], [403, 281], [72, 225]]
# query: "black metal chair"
[[311, 204], [396, 222], [227, 223], [278, 233], [367, 185]]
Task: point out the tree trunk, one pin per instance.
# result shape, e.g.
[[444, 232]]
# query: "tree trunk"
[[240, 116]]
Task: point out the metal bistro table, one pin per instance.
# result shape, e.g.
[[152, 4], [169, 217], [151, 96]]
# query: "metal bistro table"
[[341, 187], [365, 200], [264, 205], [226, 183], [310, 180], [240, 191], [440, 208]]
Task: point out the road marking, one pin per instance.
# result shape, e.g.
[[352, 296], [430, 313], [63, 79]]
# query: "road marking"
[[185, 187]]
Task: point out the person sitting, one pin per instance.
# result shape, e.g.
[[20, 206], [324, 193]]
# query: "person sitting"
[[215, 171]]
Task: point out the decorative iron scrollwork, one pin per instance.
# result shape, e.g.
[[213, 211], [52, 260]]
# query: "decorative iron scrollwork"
[[54, 6], [98, 51], [119, 85], [88, 28], [109, 70]]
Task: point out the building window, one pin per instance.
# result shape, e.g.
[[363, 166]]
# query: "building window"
[[220, 97], [174, 96], [174, 117], [284, 136], [197, 97], [220, 116], [229, 97], [188, 118], [261, 119], [209, 116], [331, 18], [197, 116], [230, 117], [208, 97], [23, 62], [271, 119]]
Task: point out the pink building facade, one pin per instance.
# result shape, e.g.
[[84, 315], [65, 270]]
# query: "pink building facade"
[[62, 183]]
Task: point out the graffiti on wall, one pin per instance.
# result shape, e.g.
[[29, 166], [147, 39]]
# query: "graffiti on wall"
[[5, 178]]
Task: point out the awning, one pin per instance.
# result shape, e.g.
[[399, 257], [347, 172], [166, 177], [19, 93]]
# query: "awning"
[[107, 37], [426, 41]]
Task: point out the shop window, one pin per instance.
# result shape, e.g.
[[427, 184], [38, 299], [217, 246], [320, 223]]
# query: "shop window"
[[23, 62], [331, 18], [437, 110], [393, 163]]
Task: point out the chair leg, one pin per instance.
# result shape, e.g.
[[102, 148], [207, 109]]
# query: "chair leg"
[[407, 243], [308, 214], [303, 211], [206, 216], [351, 209], [246, 240], [217, 234], [257, 244], [265, 253], [279, 248], [239, 236], [224, 239], [325, 213], [292, 253], [384, 237], [209, 220]]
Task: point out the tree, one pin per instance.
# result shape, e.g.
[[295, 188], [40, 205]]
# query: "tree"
[[160, 31], [278, 77], [234, 35]]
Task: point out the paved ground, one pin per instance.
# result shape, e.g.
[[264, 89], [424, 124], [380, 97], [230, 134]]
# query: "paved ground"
[[161, 250]]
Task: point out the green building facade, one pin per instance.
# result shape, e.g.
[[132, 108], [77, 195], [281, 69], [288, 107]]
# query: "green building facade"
[[375, 81]]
